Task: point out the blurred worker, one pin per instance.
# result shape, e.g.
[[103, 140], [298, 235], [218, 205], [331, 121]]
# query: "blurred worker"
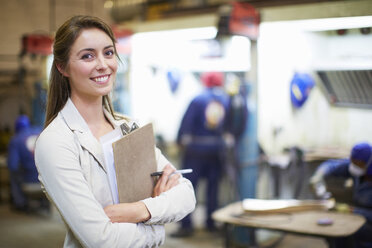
[[360, 169], [21, 164], [237, 114], [201, 137], [235, 126]]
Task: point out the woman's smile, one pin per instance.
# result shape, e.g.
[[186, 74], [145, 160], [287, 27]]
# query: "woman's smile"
[[103, 79]]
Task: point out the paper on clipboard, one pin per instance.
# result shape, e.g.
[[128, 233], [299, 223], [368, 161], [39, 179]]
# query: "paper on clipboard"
[[134, 157]]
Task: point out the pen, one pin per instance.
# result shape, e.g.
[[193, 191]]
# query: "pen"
[[184, 171]]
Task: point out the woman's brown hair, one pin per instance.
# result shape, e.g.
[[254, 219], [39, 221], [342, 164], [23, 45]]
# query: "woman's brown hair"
[[59, 86]]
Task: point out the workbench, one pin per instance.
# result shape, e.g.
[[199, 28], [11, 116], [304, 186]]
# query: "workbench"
[[302, 222]]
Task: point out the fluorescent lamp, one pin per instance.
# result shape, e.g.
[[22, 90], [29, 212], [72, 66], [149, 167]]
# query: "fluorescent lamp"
[[182, 34]]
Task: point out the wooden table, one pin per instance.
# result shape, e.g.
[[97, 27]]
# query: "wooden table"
[[304, 223]]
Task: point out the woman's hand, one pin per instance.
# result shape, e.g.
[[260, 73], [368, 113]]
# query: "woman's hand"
[[166, 181], [135, 212]]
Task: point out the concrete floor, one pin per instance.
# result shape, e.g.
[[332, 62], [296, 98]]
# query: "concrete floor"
[[39, 230]]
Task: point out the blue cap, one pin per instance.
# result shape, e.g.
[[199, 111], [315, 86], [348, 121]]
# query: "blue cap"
[[363, 152], [301, 85], [22, 122]]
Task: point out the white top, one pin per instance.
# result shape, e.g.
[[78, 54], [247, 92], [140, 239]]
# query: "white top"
[[106, 141]]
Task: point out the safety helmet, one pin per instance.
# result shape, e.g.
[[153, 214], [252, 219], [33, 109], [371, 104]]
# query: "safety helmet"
[[22, 122], [212, 79], [300, 88]]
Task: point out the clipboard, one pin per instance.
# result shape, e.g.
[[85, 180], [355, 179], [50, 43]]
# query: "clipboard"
[[134, 156]]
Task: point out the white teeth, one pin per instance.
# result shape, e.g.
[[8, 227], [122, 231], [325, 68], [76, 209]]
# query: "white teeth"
[[101, 79]]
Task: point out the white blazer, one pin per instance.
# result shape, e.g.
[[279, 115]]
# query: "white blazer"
[[72, 171]]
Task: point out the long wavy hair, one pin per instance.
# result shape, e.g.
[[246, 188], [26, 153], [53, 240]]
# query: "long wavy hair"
[[59, 86]]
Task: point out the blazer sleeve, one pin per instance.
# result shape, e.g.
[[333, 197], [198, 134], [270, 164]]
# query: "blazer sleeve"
[[174, 204], [60, 173]]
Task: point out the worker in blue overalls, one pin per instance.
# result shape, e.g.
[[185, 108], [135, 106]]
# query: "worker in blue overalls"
[[359, 168], [21, 164], [201, 137]]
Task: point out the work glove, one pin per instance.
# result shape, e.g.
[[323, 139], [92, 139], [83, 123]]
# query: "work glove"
[[317, 177], [318, 185]]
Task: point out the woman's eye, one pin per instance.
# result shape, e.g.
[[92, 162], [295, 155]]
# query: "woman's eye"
[[109, 53], [87, 56]]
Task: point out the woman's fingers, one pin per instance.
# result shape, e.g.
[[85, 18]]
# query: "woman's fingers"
[[160, 184], [172, 181], [167, 181], [164, 178]]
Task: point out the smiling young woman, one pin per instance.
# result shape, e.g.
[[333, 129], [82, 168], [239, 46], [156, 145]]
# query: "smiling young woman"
[[92, 65], [74, 154], [91, 72]]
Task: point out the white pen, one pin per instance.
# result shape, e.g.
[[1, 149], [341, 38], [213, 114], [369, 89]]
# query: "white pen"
[[184, 171]]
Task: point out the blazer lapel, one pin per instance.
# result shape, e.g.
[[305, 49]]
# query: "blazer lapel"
[[91, 144], [86, 139]]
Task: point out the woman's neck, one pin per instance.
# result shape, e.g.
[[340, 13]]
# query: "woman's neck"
[[92, 112]]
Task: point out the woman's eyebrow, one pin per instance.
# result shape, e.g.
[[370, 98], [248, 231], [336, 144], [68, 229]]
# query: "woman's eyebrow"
[[92, 49], [86, 50]]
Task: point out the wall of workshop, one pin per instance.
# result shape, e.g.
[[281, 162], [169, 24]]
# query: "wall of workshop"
[[21, 17], [283, 50]]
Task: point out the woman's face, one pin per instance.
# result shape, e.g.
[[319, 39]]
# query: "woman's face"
[[92, 65]]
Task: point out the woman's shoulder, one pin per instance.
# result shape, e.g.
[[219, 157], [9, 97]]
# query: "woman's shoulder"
[[56, 131]]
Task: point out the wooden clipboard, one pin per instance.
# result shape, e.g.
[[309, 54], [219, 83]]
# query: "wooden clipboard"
[[134, 156]]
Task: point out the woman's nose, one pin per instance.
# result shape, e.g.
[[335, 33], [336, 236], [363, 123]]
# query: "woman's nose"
[[101, 63]]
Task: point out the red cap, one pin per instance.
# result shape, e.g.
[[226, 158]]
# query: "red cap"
[[212, 79]]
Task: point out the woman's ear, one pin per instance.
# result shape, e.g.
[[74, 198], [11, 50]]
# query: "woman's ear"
[[61, 70]]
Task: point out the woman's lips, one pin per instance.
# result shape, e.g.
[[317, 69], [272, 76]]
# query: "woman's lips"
[[101, 79]]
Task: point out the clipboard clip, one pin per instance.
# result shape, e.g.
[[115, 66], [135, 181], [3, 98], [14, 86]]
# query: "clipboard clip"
[[126, 129]]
